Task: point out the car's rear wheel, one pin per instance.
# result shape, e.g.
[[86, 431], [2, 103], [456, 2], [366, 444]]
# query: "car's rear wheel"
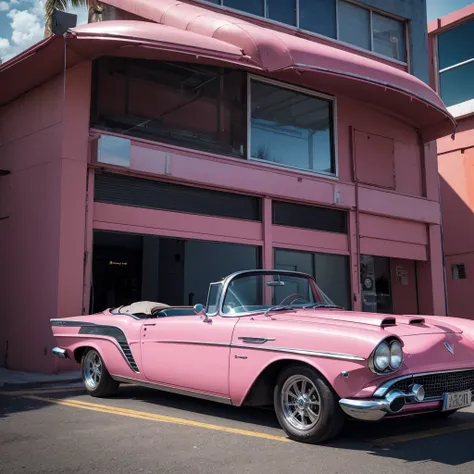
[[95, 375], [306, 406]]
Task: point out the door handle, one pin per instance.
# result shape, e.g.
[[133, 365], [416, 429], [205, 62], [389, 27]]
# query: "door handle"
[[150, 324]]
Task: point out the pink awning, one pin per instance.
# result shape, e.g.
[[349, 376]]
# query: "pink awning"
[[333, 69]]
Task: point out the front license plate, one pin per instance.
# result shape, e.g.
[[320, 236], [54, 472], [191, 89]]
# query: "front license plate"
[[457, 400]]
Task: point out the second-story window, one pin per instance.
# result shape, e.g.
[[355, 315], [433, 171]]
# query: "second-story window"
[[215, 110], [370, 30], [291, 128], [346, 21], [456, 65]]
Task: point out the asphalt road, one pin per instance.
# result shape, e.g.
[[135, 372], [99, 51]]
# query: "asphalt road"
[[144, 431]]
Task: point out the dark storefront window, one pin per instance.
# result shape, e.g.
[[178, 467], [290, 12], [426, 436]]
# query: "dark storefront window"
[[189, 105], [330, 271], [376, 284], [124, 190], [131, 267], [309, 217]]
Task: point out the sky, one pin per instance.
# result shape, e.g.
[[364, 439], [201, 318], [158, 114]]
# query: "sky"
[[22, 21]]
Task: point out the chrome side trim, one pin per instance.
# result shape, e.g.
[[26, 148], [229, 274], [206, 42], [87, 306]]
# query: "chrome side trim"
[[285, 350], [193, 343], [71, 324], [255, 340], [322, 354], [113, 341], [175, 390], [57, 351], [383, 389]]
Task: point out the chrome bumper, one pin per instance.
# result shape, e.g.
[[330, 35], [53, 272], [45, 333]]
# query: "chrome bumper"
[[59, 352], [374, 409]]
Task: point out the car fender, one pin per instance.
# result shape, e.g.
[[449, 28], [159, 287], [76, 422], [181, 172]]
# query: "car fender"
[[248, 369]]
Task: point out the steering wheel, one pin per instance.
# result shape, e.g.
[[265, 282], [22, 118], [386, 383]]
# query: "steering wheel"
[[299, 295]]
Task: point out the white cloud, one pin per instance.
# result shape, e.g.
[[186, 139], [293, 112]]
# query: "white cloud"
[[26, 28], [4, 47], [4, 6], [27, 24]]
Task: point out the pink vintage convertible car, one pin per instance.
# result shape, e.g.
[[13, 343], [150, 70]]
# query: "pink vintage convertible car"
[[271, 337]]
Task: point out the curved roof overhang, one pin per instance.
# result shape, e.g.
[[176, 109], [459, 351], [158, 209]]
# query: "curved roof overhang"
[[53, 55], [188, 32], [325, 67]]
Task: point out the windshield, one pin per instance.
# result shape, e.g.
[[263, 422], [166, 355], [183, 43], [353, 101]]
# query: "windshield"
[[252, 292]]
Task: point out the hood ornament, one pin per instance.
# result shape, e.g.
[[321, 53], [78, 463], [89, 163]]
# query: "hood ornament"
[[449, 347]]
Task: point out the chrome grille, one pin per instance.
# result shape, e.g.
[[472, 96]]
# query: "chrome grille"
[[436, 385]]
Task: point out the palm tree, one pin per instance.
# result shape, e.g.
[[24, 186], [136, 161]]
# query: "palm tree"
[[95, 10]]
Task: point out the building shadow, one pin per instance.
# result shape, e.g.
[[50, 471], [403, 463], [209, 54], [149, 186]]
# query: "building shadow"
[[458, 237]]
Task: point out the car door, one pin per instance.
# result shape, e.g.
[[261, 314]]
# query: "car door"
[[189, 353]]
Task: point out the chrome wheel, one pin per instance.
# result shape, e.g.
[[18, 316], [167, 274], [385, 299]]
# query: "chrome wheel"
[[92, 369], [300, 402]]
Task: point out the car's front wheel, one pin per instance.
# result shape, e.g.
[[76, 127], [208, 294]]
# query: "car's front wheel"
[[306, 406], [95, 375]]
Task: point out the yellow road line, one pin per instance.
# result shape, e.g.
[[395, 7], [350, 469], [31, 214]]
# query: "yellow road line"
[[154, 417], [423, 434]]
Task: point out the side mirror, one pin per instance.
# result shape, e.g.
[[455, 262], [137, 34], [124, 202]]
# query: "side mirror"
[[200, 310]]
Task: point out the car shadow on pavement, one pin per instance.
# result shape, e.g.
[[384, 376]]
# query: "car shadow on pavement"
[[447, 444]]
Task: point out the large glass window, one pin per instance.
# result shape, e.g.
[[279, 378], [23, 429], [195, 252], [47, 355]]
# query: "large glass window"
[[318, 16], [370, 30], [354, 25], [131, 267], [388, 37], [205, 108], [291, 128], [456, 64], [189, 105], [330, 271], [255, 7], [358, 25], [283, 11]]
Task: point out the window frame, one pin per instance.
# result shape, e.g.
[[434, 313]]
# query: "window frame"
[[462, 109], [302, 90], [329, 38]]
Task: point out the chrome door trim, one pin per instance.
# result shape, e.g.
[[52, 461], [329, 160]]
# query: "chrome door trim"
[[175, 390]]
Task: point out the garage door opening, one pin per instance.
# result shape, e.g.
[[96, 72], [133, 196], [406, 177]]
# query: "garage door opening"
[[132, 267]]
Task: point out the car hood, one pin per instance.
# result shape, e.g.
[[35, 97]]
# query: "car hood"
[[398, 325], [358, 334]]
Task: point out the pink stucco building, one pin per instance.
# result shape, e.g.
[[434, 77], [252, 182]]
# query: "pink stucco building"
[[174, 142], [451, 41]]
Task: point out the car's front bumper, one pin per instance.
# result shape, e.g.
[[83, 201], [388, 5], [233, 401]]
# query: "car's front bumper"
[[374, 409]]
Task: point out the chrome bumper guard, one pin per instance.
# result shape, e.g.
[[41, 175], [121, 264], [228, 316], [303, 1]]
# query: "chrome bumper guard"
[[374, 409], [59, 352]]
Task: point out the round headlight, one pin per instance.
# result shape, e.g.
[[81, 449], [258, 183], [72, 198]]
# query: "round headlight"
[[396, 355], [382, 356]]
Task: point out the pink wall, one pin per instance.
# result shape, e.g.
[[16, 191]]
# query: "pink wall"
[[42, 243], [457, 196], [43, 203], [393, 222], [456, 176]]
